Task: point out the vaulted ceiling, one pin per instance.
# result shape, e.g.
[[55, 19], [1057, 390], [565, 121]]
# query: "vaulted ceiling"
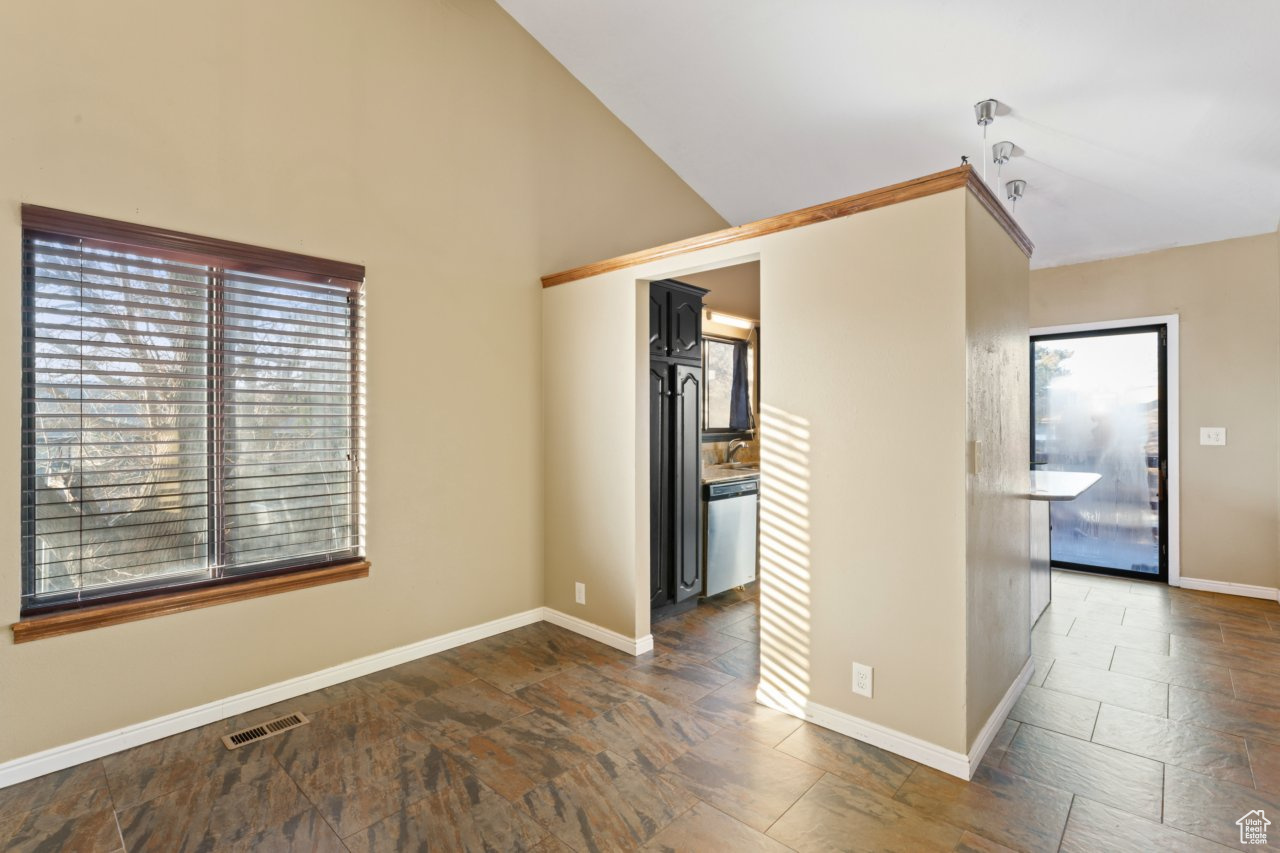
[[1139, 124]]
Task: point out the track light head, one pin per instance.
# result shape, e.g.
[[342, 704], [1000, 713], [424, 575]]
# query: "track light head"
[[985, 111]]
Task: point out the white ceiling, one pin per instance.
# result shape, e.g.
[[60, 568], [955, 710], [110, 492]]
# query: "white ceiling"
[[1141, 124]]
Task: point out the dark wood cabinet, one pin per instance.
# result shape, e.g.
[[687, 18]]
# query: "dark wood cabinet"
[[659, 324], [675, 452], [659, 477], [685, 325], [675, 321], [686, 481]]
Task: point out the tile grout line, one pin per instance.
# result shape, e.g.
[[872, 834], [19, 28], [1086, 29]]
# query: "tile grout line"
[[302, 791], [115, 815], [772, 823], [115, 811], [1114, 646], [1066, 823], [1164, 777], [106, 780], [765, 833], [1248, 754], [696, 802], [903, 783]]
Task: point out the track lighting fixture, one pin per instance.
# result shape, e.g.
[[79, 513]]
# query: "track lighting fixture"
[[985, 111], [1015, 191]]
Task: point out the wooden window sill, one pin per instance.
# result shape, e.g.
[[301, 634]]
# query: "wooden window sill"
[[102, 615]]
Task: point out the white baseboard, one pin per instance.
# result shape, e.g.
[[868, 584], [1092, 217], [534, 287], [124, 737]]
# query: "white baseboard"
[[983, 741], [621, 642], [88, 749], [900, 743], [1248, 590]]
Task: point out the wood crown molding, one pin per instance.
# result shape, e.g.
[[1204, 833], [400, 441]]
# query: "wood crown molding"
[[961, 176], [178, 601], [998, 211]]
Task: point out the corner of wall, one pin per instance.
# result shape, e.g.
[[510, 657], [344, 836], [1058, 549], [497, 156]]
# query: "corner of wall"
[[640, 438], [591, 491], [997, 617]]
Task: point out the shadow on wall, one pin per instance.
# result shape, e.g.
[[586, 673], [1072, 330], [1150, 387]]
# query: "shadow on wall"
[[784, 561]]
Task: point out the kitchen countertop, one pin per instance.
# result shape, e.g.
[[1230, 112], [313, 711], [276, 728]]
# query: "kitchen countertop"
[[1060, 485], [721, 474]]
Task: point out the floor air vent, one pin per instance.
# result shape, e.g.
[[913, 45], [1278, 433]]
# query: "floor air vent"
[[262, 731]]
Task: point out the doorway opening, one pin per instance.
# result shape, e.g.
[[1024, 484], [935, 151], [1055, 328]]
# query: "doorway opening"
[[704, 362], [1100, 404]]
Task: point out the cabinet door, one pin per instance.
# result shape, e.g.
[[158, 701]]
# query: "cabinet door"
[[659, 484], [685, 324], [659, 324], [686, 481]]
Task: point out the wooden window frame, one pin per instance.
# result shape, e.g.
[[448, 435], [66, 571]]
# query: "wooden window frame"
[[143, 603], [180, 600]]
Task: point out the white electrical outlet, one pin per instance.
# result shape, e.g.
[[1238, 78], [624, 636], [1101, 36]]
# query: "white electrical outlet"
[[580, 593], [862, 679], [1213, 435]]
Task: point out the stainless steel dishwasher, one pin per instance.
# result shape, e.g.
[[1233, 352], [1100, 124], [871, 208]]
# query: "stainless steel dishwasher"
[[732, 513]]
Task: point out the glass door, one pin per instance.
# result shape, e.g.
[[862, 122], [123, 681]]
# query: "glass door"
[[1098, 405]]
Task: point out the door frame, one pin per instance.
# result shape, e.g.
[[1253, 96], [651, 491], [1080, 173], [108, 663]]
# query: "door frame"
[[1173, 449]]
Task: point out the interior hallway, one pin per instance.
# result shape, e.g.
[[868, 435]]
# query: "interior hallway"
[[1146, 726]]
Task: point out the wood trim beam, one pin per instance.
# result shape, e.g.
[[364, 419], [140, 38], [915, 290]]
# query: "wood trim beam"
[[999, 212], [961, 176], [162, 604]]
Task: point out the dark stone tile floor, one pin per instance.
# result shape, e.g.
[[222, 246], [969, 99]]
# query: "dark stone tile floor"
[[1153, 723]]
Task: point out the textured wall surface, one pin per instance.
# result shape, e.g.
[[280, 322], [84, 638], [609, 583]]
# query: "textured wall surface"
[[998, 630]]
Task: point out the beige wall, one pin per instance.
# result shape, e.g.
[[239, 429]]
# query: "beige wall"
[[863, 423], [590, 410], [1227, 296], [431, 140], [733, 290], [997, 519], [863, 478]]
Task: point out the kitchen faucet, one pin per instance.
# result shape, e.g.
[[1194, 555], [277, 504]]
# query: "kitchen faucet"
[[734, 446]]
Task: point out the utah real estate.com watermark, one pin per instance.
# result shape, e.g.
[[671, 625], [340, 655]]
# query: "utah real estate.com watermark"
[[1253, 827]]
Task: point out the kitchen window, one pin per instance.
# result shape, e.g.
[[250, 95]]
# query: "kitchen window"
[[193, 413], [721, 367]]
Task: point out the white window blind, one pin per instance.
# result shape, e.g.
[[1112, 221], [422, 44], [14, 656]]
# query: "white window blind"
[[189, 416]]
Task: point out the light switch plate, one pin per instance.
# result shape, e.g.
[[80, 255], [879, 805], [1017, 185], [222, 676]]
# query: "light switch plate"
[[1213, 435], [580, 593]]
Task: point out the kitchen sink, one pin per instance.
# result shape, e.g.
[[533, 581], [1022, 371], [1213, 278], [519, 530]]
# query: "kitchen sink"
[[740, 466]]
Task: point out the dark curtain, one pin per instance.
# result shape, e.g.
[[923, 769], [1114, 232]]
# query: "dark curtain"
[[739, 397]]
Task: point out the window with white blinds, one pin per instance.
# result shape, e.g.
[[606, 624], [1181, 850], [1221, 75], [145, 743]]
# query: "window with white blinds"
[[192, 411]]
